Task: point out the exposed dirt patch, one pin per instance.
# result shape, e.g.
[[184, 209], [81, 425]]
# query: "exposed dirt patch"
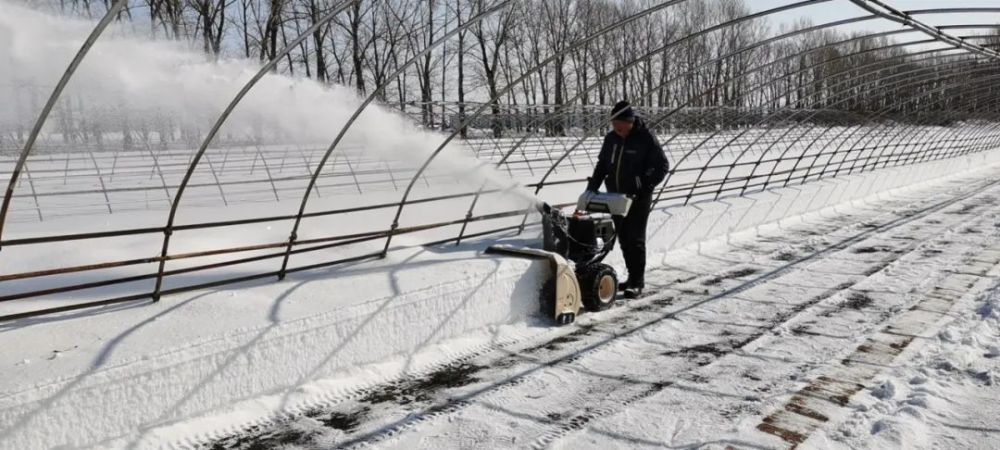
[[786, 255], [341, 421], [423, 389], [284, 438], [874, 249], [752, 376], [858, 300], [558, 342], [803, 330], [967, 209], [855, 300], [739, 273], [664, 301], [694, 292]]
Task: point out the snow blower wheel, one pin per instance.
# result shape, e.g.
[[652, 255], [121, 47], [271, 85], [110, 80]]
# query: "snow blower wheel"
[[598, 286]]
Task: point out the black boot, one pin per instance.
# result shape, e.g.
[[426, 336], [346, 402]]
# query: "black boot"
[[633, 292]]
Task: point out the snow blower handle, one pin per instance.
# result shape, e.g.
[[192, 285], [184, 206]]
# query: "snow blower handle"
[[604, 202]]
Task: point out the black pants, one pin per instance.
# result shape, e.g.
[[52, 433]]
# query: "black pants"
[[631, 231]]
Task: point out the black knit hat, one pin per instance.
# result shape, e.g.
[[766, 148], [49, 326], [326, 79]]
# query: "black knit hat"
[[623, 111]]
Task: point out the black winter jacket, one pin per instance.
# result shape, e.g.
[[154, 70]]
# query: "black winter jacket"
[[635, 165]]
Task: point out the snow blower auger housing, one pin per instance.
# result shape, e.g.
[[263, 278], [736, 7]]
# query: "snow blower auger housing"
[[575, 245]]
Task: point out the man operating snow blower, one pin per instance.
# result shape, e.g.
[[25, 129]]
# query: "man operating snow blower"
[[633, 163]]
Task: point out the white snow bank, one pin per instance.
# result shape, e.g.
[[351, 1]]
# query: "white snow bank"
[[111, 378]]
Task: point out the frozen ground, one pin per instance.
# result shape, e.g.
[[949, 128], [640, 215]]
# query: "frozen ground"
[[873, 325], [441, 347], [96, 181], [847, 324]]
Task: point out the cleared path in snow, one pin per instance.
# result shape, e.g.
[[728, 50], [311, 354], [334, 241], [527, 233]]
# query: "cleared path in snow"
[[732, 332]]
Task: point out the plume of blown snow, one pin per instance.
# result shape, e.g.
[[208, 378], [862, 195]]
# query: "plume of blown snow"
[[124, 74]]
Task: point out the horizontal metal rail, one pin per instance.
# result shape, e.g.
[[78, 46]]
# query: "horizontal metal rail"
[[717, 152]]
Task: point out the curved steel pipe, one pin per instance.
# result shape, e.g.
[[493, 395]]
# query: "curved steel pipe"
[[22, 159], [813, 126], [927, 11], [865, 136], [795, 114], [906, 18], [887, 111], [168, 229], [663, 117], [587, 133], [906, 81], [508, 88], [293, 236], [772, 81], [929, 142]]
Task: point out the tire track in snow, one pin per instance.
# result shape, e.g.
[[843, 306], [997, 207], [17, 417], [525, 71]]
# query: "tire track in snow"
[[707, 355], [575, 420], [616, 330], [710, 373], [827, 395], [331, 400]]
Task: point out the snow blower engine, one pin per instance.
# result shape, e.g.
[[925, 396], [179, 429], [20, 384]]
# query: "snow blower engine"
[[575, 245]]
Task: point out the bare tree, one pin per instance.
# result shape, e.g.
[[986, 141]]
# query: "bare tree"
[[211, 22], [491, 35]]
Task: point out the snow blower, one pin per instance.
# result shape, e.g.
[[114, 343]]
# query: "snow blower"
[[575, 245]]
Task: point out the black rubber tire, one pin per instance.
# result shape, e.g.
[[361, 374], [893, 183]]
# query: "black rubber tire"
[[547, 299], [598, 286]]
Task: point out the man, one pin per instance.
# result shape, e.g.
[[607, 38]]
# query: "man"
[[631, 162]]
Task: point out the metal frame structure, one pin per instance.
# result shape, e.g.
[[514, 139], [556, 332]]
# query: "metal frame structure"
[[779, 147]]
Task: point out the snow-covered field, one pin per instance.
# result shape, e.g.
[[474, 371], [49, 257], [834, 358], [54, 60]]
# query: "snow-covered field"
[[60, 183], [441, 346], [125, 198]]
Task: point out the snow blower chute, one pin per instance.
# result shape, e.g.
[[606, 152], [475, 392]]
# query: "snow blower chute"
[[575, 245]]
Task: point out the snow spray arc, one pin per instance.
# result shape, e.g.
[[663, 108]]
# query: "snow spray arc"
[[128, 76]]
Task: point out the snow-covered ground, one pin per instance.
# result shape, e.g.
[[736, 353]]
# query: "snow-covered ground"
[[249, 198], [59, 183], [869, 325], [856, 311], [442, 346]]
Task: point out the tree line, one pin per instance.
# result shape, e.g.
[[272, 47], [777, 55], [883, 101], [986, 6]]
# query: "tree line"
[[726, 69]]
